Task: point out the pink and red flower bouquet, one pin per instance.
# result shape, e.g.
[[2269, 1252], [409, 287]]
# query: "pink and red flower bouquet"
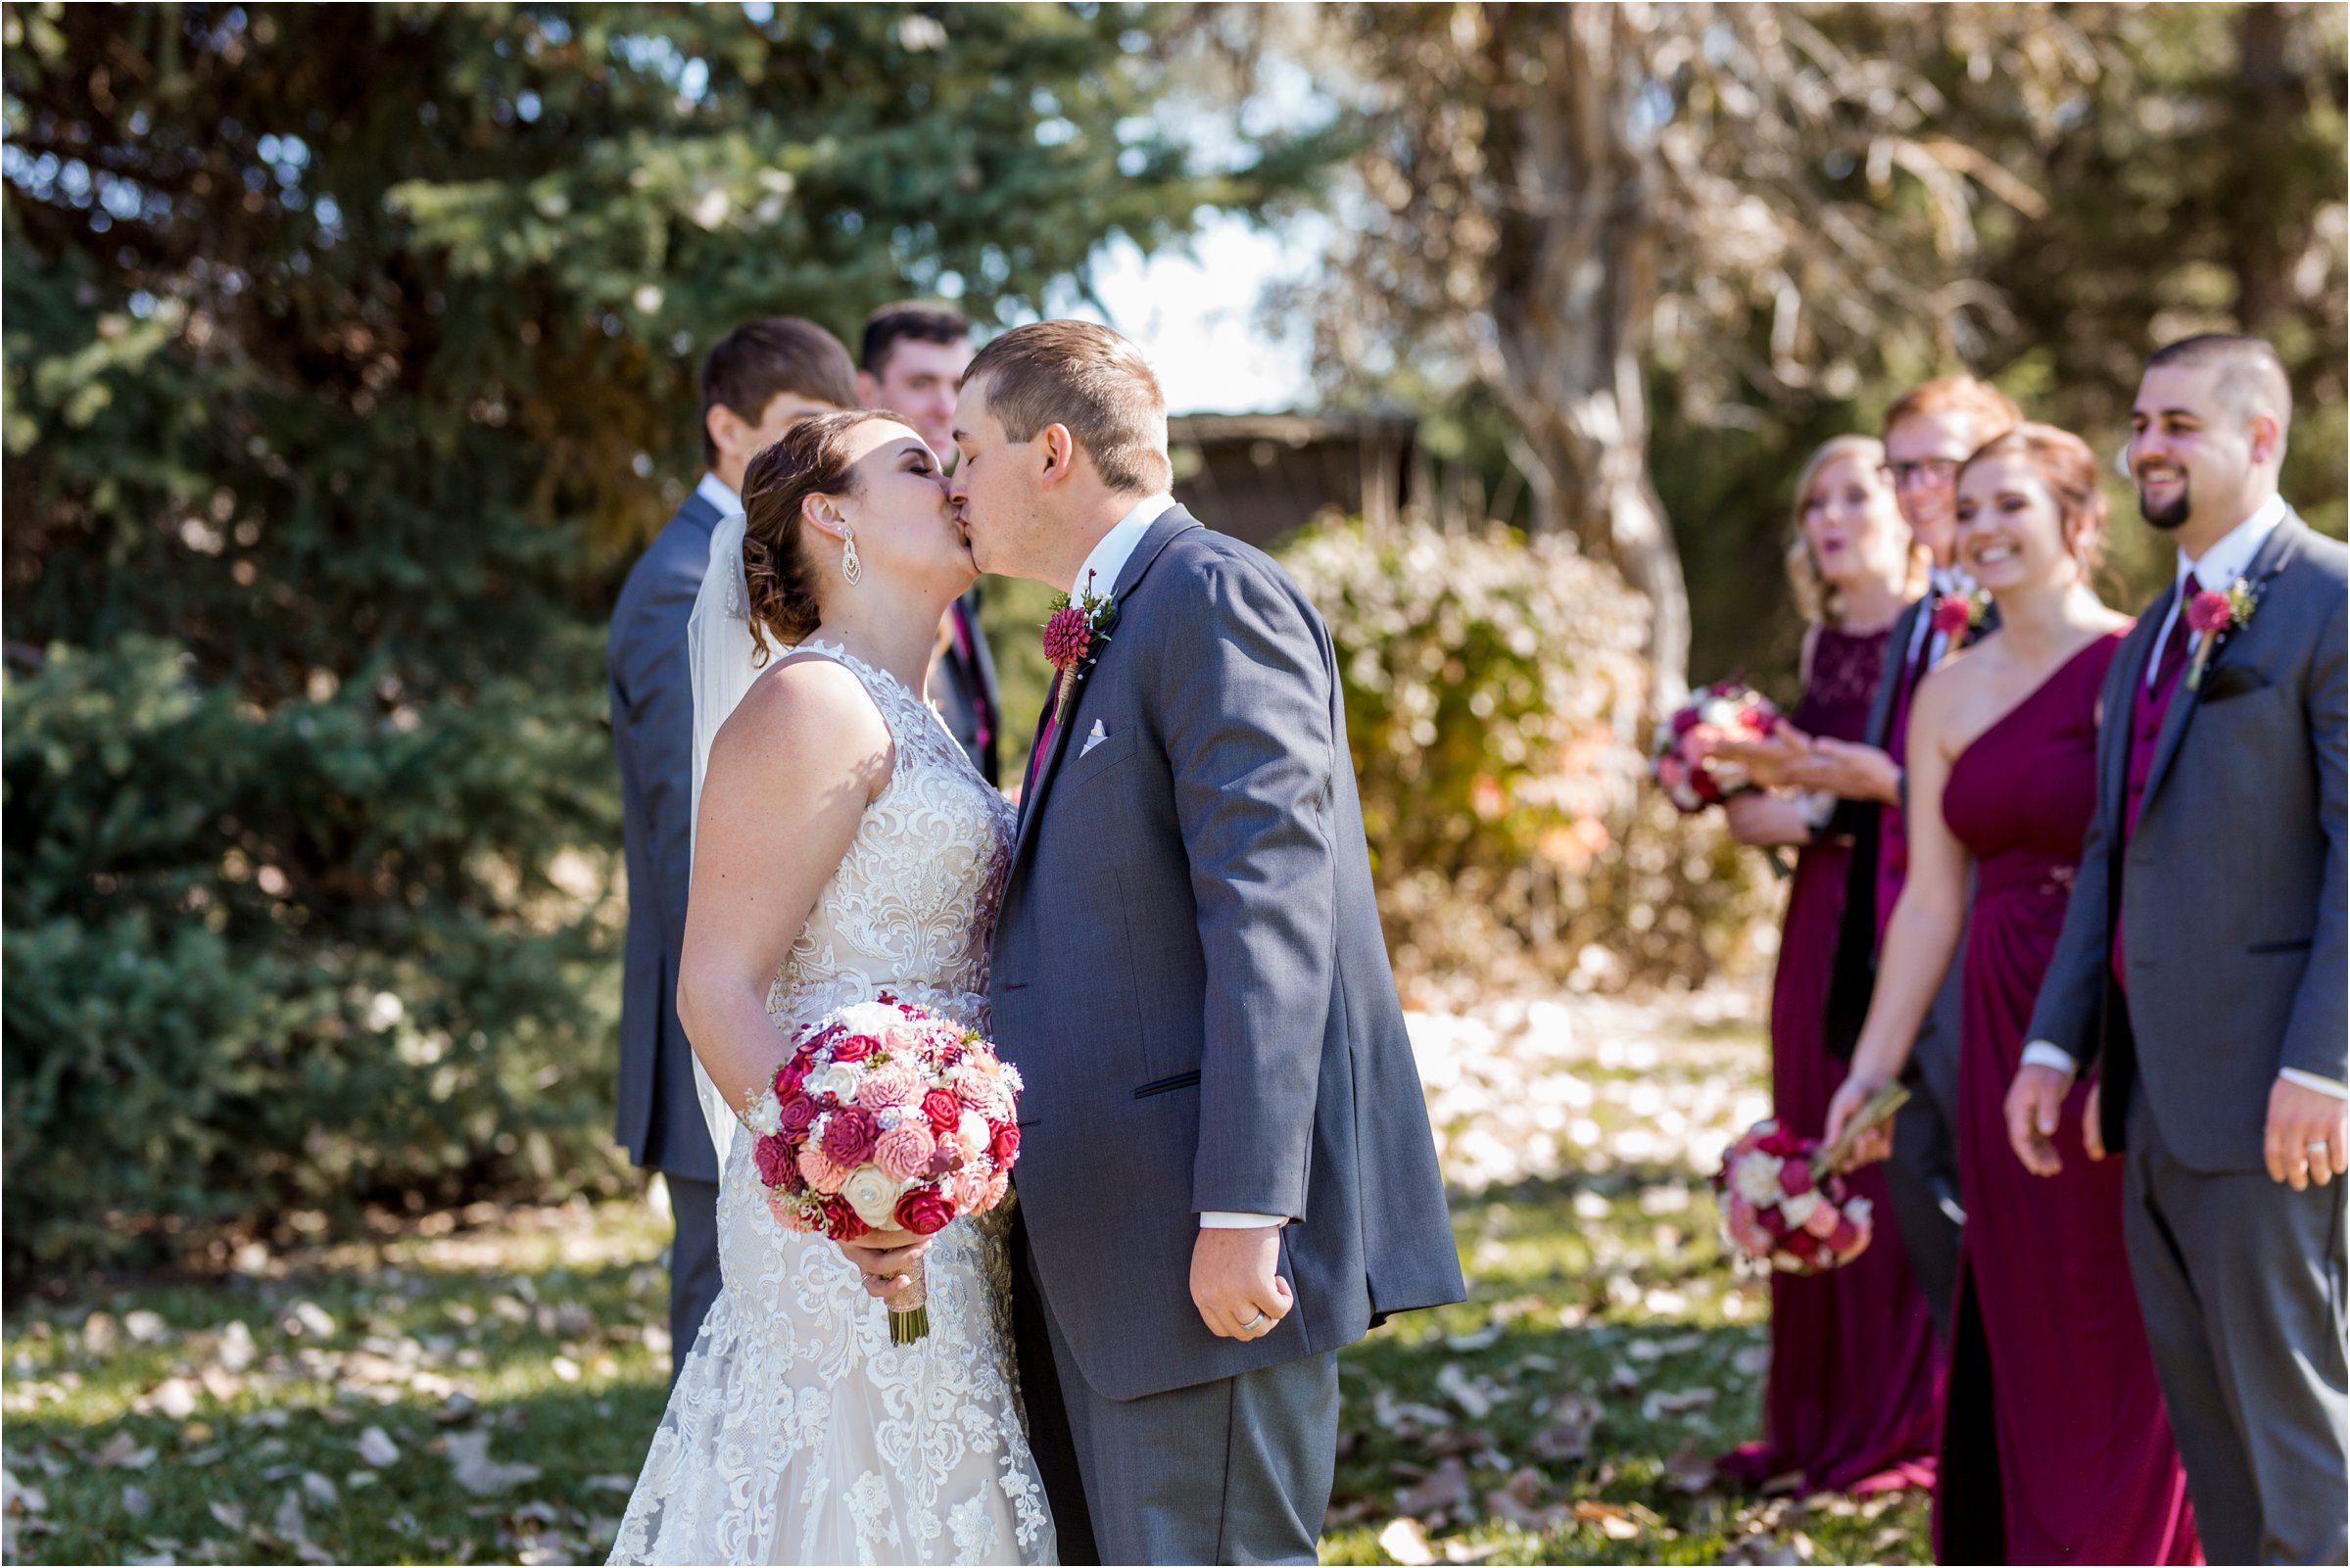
[[887, 1116], [1784, 1199], [1682, 757]]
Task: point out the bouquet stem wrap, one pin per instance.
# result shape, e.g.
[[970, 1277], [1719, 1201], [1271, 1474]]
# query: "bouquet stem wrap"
[[910, 1307], [1832, 1158]]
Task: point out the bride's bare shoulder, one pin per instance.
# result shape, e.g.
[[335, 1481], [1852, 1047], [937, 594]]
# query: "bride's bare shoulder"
[[810, 715]]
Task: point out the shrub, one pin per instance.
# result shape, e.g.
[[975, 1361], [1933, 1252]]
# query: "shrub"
[[299, 958], [1494, 699]]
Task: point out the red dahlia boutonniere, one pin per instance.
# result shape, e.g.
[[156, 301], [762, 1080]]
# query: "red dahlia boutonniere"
[[2212, 616], [1075, 635], [1957, 614]]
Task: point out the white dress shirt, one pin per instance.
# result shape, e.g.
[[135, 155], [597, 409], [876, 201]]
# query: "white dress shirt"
[[1099, 577], [1099, 574], [719, 493], [2218, 570]]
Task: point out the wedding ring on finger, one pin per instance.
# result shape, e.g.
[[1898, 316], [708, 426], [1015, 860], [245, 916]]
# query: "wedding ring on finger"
[[1254, 1323], [2320, 1150]]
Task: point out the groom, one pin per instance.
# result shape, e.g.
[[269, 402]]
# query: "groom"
[[2202, 964], [1227, 1170]]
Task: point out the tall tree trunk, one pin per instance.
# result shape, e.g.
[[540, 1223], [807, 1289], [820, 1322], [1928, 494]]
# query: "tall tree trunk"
[[1573, 287], [2271, 97]]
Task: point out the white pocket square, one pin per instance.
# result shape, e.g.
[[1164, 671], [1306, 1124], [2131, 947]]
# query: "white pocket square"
[[1093, 738]]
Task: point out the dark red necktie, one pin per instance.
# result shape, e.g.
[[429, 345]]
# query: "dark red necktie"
[[1045, 725], [2175, 646]]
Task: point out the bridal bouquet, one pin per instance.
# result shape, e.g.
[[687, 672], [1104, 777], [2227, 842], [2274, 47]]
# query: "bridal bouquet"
[[885, 1118], [1681, 757], [1784, 1199]]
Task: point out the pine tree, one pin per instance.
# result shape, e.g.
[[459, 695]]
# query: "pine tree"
[[350, 356]]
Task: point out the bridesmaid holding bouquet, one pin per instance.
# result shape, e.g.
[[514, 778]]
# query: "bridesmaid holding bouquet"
[[1850, 1402]]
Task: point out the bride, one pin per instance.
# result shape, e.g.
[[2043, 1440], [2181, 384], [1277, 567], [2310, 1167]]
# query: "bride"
[[843, 844]]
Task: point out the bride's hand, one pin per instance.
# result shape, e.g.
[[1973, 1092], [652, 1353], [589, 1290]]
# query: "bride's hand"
[[887, 1259]]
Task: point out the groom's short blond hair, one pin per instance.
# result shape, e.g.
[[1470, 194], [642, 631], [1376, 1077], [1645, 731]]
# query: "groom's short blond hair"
[[1091, 381]]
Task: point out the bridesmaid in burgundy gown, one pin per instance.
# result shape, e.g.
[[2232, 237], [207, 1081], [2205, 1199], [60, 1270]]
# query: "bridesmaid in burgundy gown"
[[1850, 1402], [2056, 1448]]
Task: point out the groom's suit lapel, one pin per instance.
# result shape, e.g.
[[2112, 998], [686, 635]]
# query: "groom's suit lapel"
[[2275, 552], [1173, 521]]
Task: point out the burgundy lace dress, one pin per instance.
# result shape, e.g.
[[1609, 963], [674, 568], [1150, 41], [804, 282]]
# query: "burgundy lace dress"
[[1851, 1401]]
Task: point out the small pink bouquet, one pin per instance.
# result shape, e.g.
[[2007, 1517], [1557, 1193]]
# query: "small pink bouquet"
[[1682, 757], [887, 1116], [1784, 1198]]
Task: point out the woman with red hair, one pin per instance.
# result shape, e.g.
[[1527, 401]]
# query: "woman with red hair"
[[2056, 1446]]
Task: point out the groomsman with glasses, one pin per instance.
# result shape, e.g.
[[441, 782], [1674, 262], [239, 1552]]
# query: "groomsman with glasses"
[[2202, 967], [913, 356], [757, 382], [1928, 434]]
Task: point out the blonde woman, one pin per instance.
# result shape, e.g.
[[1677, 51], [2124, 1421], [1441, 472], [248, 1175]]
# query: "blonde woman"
[[1850, 1403]]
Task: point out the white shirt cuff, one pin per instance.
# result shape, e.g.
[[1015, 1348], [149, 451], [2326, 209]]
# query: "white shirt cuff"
[[1219, 1219], [2042, 1054], [2310, 1080]]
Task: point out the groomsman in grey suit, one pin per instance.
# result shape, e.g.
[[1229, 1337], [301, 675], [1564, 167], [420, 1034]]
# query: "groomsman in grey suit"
[[2202, 967], [911, 362], [1227, 1170], [757, 382]]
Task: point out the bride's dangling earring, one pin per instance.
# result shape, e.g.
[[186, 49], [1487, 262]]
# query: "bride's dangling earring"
[[851, 568]]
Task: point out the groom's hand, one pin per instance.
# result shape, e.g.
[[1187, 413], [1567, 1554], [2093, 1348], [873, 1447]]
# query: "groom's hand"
[[885, 1257], [1233, 1285]]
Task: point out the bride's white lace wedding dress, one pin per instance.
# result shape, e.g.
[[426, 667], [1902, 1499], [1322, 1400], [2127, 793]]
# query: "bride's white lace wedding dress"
[[796, 1432]]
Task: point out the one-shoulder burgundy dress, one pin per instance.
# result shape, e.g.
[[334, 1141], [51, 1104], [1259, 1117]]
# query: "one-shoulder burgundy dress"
[[2056, 1448]]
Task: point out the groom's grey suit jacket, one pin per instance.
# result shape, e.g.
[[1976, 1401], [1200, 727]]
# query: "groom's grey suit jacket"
[[1189, 975], [2232, 888]]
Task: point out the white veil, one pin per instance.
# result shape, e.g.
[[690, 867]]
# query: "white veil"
[[722, 652]]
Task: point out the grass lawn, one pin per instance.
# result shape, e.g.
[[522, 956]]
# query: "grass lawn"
[[485, 1394]]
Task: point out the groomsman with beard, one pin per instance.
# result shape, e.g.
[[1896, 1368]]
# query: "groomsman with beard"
[[1928, 434], [912, 357], [758, 381], [2202, 966]]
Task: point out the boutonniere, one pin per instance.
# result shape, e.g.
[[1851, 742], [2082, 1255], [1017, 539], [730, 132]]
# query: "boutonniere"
[[2212, 616], [1075, 635], [1956, 615]]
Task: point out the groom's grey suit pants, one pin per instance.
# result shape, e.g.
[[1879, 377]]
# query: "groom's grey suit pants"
[[1234, 1471]]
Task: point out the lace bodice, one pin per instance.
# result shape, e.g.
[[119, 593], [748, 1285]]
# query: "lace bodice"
[[796, 1432], [911, 905]]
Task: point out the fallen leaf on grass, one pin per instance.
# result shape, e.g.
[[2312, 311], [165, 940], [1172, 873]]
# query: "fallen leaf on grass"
[[1445, 1488], [1476, 1397], [321, 1491], [1615, 1520], [136, 1503], [230, 1515], [611, 1483], [236, 1349], [1407, 1542], [1691, 1469], [1674, 1403], [1517, 1504], [123, 1452], [145, 1327], [1569, 1438], [377, 1448], [15, 1497], [468, 1455]]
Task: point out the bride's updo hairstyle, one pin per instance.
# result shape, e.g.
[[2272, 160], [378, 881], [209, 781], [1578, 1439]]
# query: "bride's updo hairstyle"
[[812, 458], [2068, 469]]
